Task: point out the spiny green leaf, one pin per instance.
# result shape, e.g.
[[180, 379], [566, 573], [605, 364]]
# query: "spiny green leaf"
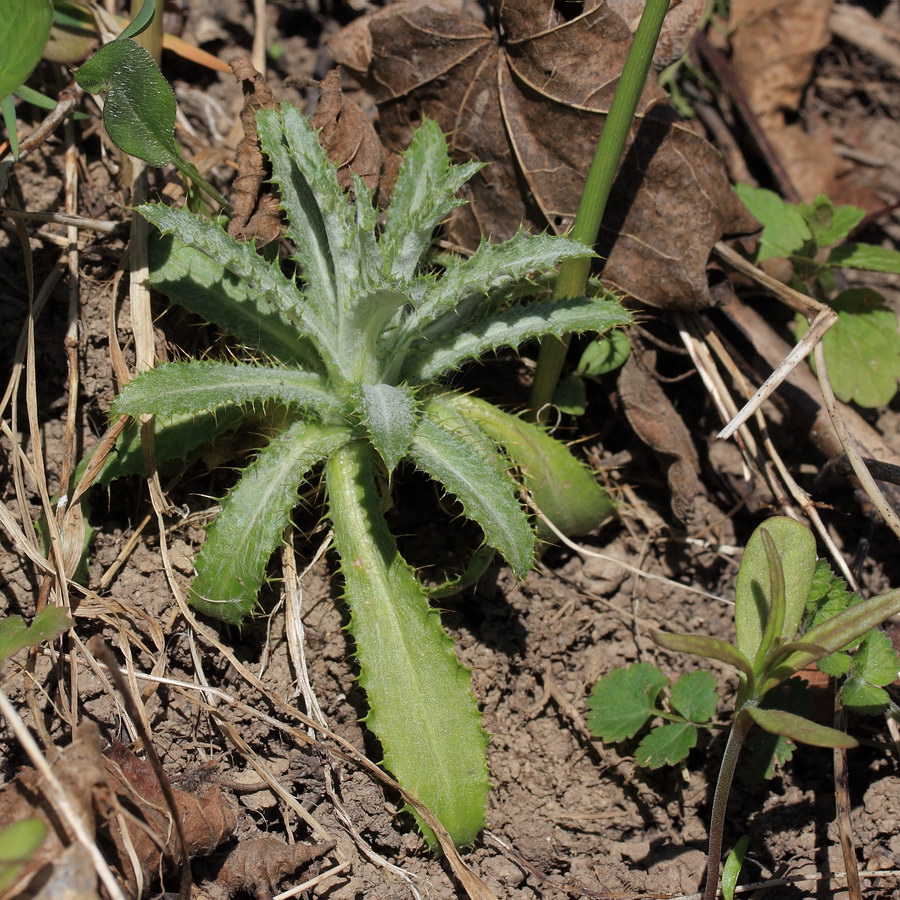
[[420, 696], [512, 328], [191, 278], [196, 386], [866, 256], [564, 490], [466, 283], [139, 112], [784, 229], [694, 696], [46, 625], [797, 550], [24, 29], [797, 728], [487, 495], [231, 565], [388, 414], [423, 196], [622, 701], [862, 349], [666, 745]]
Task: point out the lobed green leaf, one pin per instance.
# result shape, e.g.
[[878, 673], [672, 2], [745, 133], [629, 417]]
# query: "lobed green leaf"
[[622, 701], [866, 256], [785, 231], [667, 745], [487, 495], [231, 565], [421, 705], [196, 386], [694, 696]]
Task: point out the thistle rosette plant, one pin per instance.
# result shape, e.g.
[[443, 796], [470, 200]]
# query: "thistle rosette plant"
[[346, 379]]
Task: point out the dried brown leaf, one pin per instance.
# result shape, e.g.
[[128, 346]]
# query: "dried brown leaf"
[[533, 103]]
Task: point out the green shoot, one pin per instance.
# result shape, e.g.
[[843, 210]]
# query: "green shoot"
[[15, 635]]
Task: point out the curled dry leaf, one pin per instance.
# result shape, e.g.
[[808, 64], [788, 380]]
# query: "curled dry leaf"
[[256, 212], [531, 99], [120, 800]]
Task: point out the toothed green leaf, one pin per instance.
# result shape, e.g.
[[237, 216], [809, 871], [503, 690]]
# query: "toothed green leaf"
[[622, 701], [388, 414], [489, 269], [694, 696], [510, 329], [423, 196], [231, 565], [420, 696], [194, 280], [487, 496], [185, 387], [866, 256], [564, 490], [666, 745]]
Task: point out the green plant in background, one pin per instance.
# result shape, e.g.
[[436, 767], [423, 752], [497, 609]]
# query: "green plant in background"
[[346, 376], [24, 29], [862, 349], [778, 584]]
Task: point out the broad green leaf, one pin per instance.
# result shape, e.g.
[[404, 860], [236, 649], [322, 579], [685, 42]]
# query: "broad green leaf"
[[876, 660], [707, 647], [24, 29], [464, 285], [231, 565], [175, 438], [570, 396], [487, 495], [388, 414], [666, 745], [189, 277], [835, 664], [48, 624], [196, 386], [424, 194], [694, 696], [784, 229], [797, 728], [863, 698], [844, 628], [866, 256], [830, 224], [18, 843], [862, 349], [732, 868], [421, 705], [510, 329], [796, 548], [622, 701], [563, 489], [139, 112], [605, 354]]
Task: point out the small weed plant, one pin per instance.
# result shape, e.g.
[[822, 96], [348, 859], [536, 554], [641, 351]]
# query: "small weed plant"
[[343, 361], [779, 584], [862, 349]]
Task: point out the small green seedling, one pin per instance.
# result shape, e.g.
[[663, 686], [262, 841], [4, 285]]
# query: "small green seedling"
[[778, 584], [15, 635], [343, 374], [862, 349]]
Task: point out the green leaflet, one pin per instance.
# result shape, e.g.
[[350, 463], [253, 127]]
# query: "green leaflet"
[[231, 565], [423, 196], [190, 277], [511, 328], [486, 494], [564, 490], [422, 708], [184, 387]]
